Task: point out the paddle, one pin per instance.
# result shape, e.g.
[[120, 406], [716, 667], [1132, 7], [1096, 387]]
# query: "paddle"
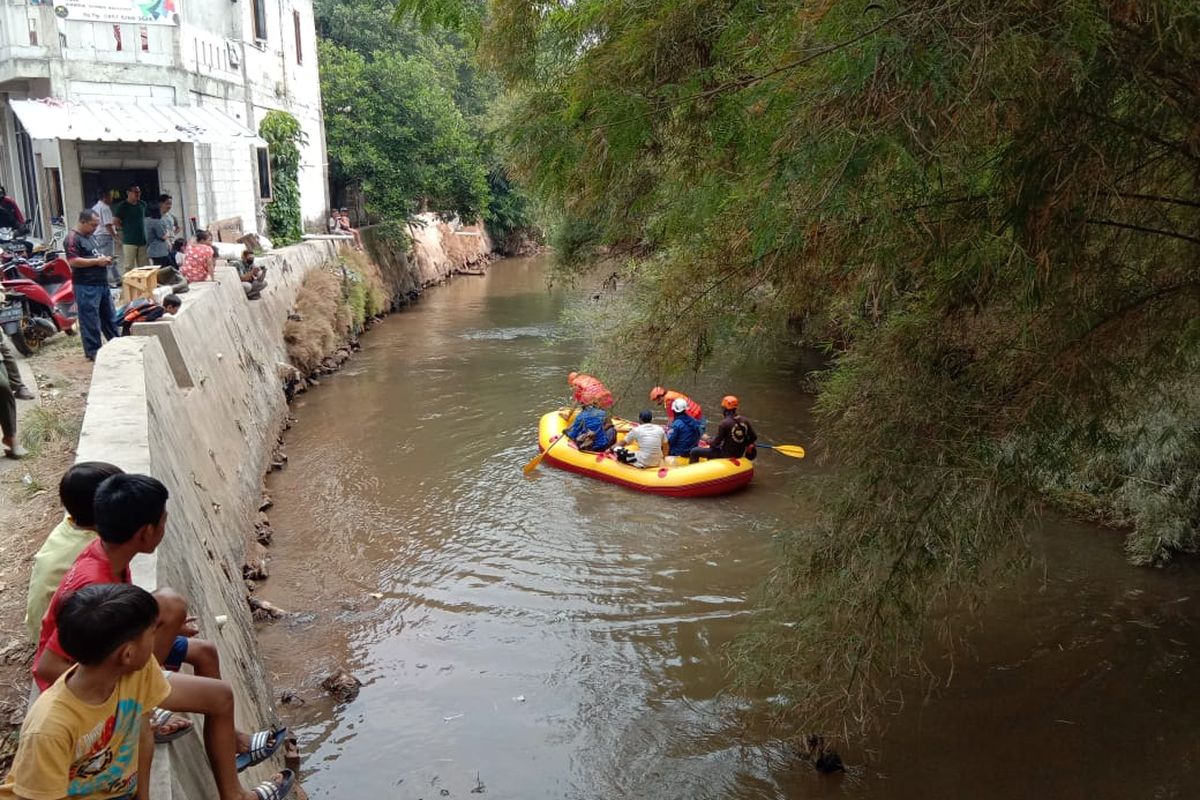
[[533, 464], [792, 450]]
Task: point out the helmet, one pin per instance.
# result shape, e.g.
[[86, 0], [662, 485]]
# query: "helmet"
[[679, 406], [729, 402], [657, 393], [571, 376]]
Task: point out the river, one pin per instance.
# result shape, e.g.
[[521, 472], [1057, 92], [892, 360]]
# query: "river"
[[557, 637]]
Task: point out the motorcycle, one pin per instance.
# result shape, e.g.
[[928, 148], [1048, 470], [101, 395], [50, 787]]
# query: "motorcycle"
[[48, 295], [12, 311], [12, 242]]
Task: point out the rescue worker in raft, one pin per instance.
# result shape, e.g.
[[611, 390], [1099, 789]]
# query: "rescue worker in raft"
[[735, 436], [651, 443], [592, 429], [685, 431], [667, 398], [584, 386]]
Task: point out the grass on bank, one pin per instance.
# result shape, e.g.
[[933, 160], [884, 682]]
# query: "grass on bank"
[[44, 425], [331, 307]]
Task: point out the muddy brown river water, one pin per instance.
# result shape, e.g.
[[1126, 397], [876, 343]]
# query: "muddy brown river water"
[[556, 637]]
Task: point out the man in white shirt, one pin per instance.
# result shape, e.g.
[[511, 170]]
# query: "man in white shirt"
[[106, 235], [651, 441]]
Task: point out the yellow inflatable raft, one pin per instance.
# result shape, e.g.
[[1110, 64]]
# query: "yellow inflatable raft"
[[680, 479]]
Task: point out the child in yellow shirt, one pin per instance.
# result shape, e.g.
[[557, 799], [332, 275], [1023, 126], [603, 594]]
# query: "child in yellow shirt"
[[76, 491], [87, 736]]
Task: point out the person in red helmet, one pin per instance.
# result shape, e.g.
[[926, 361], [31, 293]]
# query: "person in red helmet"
[[589, 391], [735, 435], [667, 398]]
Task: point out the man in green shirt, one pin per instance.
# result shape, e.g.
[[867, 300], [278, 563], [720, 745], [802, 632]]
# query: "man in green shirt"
[[130, 215]]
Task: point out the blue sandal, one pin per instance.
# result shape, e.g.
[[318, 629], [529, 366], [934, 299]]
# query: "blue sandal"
[[269, 790], [261, 748]]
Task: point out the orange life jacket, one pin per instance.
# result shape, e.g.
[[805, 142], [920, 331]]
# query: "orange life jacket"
[[590, 391], [693, 408]]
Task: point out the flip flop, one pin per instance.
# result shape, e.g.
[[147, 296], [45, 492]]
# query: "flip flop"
[[160, 717], [260, 750], [269, 790]]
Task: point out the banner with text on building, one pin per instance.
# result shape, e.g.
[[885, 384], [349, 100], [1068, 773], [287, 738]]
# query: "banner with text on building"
[[138, 12]]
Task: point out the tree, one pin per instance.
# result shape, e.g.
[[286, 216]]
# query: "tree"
[[283, 135], [984, 211], [395, 132]]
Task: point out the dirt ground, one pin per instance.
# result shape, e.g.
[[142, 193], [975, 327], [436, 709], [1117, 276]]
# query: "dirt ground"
[[29, 509]]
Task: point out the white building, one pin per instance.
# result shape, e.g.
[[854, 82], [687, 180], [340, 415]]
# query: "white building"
[[98, 94]]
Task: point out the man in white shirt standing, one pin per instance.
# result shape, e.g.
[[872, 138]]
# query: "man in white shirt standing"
[[651, 441], [106, 235]]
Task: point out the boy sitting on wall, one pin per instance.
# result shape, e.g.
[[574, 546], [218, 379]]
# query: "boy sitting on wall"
[[87, 735], [76, 492], [131, 517]]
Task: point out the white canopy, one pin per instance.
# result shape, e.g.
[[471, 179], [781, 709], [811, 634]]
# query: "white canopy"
[[50, 118]]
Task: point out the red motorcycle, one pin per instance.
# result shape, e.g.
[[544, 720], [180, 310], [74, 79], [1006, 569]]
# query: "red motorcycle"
[[48, 297]]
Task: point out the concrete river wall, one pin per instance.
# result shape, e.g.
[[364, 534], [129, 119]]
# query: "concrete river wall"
[[197, 403]]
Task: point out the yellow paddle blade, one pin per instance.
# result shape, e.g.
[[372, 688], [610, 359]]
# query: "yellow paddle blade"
[[792, 450], [533, 463]]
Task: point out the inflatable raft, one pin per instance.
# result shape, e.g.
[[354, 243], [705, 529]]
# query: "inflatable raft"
[[681, 479]]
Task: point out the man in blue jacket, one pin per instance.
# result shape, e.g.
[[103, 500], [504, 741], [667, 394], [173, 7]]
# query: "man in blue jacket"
[[592, 430], [685, 432]]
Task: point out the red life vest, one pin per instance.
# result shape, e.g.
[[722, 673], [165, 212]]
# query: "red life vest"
[[590, 391]]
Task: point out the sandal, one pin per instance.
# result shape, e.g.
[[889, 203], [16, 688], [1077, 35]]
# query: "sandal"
[[270, 790], [160, 718], [260, 750]]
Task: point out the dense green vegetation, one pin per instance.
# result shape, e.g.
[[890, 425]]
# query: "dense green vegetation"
[[407, 116], [987, 214], [283, 135]]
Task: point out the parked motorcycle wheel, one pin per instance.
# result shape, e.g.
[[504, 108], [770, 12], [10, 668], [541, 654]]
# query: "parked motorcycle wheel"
[[28, 337], [26, 347]]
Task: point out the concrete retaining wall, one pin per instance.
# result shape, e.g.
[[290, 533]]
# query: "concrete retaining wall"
[[437, 251], [196, 402]]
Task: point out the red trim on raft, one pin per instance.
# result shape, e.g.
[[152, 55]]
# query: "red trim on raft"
[[702, 489]]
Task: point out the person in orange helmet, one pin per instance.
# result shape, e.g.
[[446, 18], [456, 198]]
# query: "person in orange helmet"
[[735, 435], [589, 391], [667, 398]]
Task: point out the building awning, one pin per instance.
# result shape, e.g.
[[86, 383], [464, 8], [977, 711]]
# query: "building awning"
[[49, 118]]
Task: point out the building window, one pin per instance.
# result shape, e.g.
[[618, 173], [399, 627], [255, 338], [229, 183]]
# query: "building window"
[[260, 20], [264, 173], [299, 49], [144, 37], [117, 37]]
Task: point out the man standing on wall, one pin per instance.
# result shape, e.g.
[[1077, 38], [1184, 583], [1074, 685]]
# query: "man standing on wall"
[[89, 270], [106, 234], [130, 215]]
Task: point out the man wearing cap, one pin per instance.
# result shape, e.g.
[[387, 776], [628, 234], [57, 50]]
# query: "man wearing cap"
[[735, 435], [685, 430]]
